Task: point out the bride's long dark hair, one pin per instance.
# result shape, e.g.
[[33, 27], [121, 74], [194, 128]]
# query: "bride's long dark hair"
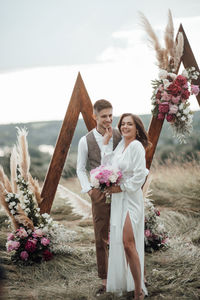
[[141, 134]]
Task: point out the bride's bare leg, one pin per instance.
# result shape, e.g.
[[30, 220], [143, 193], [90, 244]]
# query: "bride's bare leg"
[[132, 255]]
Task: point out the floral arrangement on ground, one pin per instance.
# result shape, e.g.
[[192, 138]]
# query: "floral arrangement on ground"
[[35, 237], [155, 235], [171, 91]]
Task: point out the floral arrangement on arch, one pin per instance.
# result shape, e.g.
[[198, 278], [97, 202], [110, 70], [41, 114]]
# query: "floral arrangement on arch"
[[171, 92], [35, 237]]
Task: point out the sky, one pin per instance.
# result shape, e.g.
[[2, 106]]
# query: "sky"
[[45, 43]]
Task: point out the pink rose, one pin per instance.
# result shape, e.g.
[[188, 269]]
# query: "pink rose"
[[12, 245], [169, 117], [176, 100], [24, 255], [38, 233], [45, 241], [21, 232], [173, 109], [163, 107], [147, 233], [10, 237], [161, 116], [194, 89]]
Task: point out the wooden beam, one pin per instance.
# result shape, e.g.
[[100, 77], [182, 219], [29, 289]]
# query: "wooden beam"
[[78, 101], [188, 58]]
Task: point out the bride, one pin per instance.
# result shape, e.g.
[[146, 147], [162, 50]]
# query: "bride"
[[126, 254]]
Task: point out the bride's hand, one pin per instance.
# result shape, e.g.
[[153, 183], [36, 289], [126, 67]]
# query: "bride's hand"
[[107, 136], [113, 189]]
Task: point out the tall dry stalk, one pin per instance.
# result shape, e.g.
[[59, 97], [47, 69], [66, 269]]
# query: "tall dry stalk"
[[153, 39], [169, 35], [35, 188], [5, 205], [168, 58], [23, 156], [13, 169]]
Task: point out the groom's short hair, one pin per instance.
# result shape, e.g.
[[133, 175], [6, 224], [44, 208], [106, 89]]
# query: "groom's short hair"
[[101, 104]]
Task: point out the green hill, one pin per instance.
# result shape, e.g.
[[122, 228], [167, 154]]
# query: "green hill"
[[46, 133]]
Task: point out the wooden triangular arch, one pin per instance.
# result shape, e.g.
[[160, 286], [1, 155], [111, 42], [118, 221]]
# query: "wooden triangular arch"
[[81, 103]]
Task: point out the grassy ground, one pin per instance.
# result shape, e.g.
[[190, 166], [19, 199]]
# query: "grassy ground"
[[171, 274]]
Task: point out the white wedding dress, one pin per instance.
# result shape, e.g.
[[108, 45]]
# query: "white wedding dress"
[[131, 162]]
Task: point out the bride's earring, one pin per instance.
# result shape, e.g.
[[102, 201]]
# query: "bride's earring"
[[137, 133]]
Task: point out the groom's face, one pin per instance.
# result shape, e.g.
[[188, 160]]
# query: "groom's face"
[[104, 118]]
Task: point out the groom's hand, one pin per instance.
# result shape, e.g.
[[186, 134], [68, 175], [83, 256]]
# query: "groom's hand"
[[107, 136], [90, 192], [113, 189]]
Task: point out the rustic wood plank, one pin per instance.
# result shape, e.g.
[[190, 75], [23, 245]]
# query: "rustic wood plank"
[[188, 58], [78, 99]]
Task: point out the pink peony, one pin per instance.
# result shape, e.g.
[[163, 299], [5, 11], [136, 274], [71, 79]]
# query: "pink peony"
[[158, 95], [38, 233], [161, 116], [10, 237], [165, 241], [174, 89], [12, 245], [176, 100], [47, 255], [157, 212], [147, 233], [45, 241], [24, 255], [194, 89], [173, 109], [21, 232], [30, 246], [169, 117], [181, 80], [185, 94], [163, 107], [166, 96]]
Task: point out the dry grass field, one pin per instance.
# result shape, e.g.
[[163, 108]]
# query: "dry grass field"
[[171, 274]]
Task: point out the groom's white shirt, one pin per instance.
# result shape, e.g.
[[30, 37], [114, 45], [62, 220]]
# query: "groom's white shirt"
[[83, 157]]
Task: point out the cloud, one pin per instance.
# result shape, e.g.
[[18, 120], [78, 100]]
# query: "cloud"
[[122, 74]]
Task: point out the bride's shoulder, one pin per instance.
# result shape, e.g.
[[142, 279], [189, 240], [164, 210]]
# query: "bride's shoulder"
[[137, 146]]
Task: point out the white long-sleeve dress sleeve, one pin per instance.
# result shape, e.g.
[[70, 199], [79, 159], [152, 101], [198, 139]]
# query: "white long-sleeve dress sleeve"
[[131, 162]]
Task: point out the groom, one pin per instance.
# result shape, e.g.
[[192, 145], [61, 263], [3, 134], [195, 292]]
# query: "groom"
[[89, 151]]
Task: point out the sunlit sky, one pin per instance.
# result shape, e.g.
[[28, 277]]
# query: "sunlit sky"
[[45, 43]]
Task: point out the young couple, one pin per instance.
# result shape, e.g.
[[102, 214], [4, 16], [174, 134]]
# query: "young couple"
[[122, 269]]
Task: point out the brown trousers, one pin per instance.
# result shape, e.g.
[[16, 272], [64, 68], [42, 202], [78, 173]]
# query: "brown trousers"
[[101, 221]]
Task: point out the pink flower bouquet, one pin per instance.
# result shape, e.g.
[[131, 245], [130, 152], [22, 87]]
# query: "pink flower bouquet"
[[105, 176]]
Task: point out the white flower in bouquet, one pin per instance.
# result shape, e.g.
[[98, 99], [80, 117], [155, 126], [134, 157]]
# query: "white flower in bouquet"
[[166, 83], [186, 111], [185, 73], [163, 74]]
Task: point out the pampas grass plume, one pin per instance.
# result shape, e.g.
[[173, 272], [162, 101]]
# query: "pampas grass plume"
[[22, 149]]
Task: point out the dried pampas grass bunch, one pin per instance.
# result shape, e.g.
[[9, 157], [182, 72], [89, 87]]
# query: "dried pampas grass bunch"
[[168, 58], [14, 190]]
